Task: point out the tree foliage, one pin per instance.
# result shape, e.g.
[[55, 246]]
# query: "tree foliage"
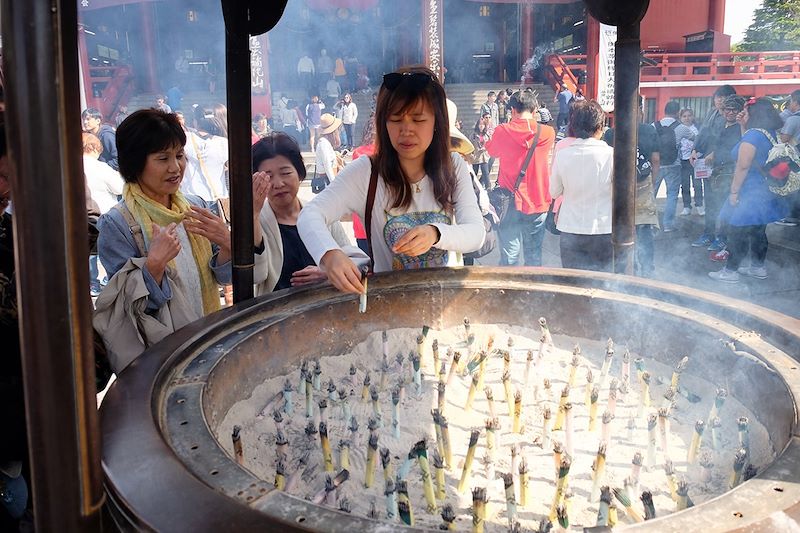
[[776, 26]]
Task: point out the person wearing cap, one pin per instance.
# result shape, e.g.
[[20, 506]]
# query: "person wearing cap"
[[327, 162], [424, 212]]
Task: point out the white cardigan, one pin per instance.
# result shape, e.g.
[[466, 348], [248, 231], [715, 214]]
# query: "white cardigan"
[[582, 173]]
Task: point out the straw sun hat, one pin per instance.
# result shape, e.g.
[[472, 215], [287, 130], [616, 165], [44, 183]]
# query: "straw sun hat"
[[328, 123], [464, 146]]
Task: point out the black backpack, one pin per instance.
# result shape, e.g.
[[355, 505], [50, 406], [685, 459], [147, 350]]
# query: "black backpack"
[[667, 145]]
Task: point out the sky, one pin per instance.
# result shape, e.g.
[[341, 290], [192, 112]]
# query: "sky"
[[738, 16]]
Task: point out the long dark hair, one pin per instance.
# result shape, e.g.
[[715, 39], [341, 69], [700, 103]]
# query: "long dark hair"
[[762, 114], [438, 164]]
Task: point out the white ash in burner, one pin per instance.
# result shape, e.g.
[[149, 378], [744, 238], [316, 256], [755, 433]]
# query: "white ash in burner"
[[492, 426]]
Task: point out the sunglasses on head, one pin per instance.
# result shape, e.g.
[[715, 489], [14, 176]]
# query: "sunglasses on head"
[[416, 80]]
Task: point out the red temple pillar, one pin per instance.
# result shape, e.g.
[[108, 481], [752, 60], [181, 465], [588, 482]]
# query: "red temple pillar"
[[592, 55], [86, 70], [149, 43], [433, 36], [526, 21], [716, 15]]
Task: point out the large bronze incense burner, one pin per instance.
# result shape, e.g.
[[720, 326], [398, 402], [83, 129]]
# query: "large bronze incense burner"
[[166, 470]]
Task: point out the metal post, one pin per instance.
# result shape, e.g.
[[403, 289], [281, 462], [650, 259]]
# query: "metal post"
[[237, 73], [626, 90], [50, 232]]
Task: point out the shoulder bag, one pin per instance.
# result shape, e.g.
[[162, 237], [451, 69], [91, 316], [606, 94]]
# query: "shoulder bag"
[[500, 197]]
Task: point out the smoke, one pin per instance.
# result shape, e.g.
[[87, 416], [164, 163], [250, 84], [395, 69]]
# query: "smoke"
[[533, 63]]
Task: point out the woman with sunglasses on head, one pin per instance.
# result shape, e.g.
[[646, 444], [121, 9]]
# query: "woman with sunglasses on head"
[[751, 205], [424, 211]]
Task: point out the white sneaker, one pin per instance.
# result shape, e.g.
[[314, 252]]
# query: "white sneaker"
[[754, 272], [686, 211], [701, 211], [725, 275]]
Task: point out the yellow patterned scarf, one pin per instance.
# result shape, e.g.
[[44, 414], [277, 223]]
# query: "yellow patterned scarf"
[[148, 212]]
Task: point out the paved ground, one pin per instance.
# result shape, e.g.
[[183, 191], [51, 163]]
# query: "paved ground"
[[678, 262]]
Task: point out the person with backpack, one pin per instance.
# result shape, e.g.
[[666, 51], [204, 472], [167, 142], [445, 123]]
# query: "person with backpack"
[[667, 167], [751, 205]]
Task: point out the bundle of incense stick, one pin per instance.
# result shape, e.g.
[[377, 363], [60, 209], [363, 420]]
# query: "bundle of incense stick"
[[421, 451], [238, 452], [465, 473], [479, 500]]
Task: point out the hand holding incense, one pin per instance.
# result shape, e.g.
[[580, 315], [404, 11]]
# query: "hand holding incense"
[[465, 473], [362, 298]]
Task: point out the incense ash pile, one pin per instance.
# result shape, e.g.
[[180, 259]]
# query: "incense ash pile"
[[487, 427]]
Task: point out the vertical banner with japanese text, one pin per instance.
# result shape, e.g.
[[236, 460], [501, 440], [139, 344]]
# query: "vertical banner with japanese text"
[[605, 77], [433, 36], [259, 75]]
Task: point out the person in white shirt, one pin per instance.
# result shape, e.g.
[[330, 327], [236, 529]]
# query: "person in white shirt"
[[327, 162], [582, 174], [206, 153], [424, 213], [349, 116], [105, 185]]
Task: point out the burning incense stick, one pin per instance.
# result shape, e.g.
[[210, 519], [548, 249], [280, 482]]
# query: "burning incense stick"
[[707, 464], [548, 338], [448, 452], [558, 452], [376, 408], [492, 425], [625, 500], [569, 431], [438, 430], [435, 352], [453, 367], [602, 511], [443, 372], [738, 466], [546, 422], [515, 457], [663, 430], [280, 475], [391, 499], [488, 466], [238, 452], [478, 509], [644, 398], [636, 469], [316, 379], [605, 432], [484, 358], [573, 365], [415, 362], [344, 454], [331, 392], [743, 425], [303, 371], [421, 451], [372, 451], [598, 468], [396, 412], [507, 358], [473, 444], [449, 518], [466, 327], [311, 432], [563, 516], [612, 396], [649, 507], [750, 472], [523, 483], [404, 504], [294, 477], [384, 374], [282, 444], [606, 362], [684, 502], [548, 388], [652, 421], [509, 397], [323, 410], [438, 465], [676, 374], [716, 424], [421, 350], [511, 502], [287, 397], [528, 361], [386, 463], [473, 387], [517, 424], [561, 485], [490, 400], [699, 426], [328, 494], [589, 387], [327, 456], [672, 482], [593, 407], [559, 423], [669, 399], [362, 298], [309, 395], [719, 401], [626, 366]]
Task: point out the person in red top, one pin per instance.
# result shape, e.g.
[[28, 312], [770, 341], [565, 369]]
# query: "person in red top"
[[523, 226]]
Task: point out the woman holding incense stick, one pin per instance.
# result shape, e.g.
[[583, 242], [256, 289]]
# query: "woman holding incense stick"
[[424, 212], [282, 260]]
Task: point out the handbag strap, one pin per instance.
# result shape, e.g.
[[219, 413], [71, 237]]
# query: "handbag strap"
[[135, 227], [528, 157], [373, 188]]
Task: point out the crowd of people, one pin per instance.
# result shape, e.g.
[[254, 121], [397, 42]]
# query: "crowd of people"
[[419, 191]]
